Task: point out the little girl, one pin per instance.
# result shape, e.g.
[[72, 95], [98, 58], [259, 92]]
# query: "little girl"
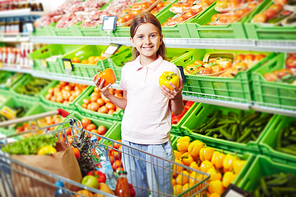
[[146, 123]]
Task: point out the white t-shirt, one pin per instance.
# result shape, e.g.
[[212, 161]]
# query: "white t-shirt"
[[147, 116]]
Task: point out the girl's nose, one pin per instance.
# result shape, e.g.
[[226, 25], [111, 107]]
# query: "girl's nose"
[[147, 40]]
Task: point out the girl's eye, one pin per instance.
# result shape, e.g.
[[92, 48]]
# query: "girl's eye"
[[153, 35], [140, 37]]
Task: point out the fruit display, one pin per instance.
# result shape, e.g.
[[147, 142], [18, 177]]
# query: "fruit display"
[[127, 14], [32, 87], [90, 60], [283, 75], [281, 184], [232, 11], [64, 92], [97, 102], [185, 10], [239, 127], [275, 14], [223, 64], [70, 13], [223, 168]]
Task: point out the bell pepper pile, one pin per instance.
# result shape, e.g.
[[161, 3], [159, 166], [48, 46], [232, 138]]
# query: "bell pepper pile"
[[222, 168]]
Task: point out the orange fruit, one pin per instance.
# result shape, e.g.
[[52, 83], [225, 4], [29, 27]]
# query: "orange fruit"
[[84, 192], [75, 60], [84, 62], [91, 58]]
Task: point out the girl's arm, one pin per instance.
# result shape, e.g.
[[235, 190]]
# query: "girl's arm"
[[119, 102], [175, 96]]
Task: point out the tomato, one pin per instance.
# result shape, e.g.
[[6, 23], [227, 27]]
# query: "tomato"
[[277, 7], [168, 77], [108, 75], [249, 57], [260, 18], [259, 57], [270, 13], [102, 130], [291, 61], [240, 57]]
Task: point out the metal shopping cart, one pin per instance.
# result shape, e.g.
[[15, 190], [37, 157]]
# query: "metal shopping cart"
[[11, 170]]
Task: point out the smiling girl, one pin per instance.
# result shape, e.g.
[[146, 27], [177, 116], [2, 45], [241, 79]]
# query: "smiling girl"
[[146, 123]]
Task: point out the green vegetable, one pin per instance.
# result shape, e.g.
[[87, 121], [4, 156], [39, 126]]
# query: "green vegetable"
[[30, 145]]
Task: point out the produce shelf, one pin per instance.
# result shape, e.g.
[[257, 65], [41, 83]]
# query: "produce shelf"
[[16, 37], [239, 44]]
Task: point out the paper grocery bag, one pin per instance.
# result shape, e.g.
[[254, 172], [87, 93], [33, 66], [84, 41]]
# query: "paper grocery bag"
[[28, 182]]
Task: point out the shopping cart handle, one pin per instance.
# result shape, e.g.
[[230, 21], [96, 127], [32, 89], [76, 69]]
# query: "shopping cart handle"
[[63, 113]]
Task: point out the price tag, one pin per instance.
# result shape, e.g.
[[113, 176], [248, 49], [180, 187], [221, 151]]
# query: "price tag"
[[67, 64], [234, 191], [30, 27], [109, 23], [112, 48], [44, 63], [182, 73]]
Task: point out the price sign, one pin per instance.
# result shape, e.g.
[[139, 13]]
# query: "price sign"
[[234, 191], [30, 27], [44, 63], [67, 64], [112, 48], [109, 23], [182, 73]]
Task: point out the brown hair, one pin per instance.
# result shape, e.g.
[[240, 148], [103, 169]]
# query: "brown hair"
[[146, 17]]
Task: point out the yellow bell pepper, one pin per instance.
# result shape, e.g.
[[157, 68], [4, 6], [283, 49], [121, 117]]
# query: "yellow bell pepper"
[[228, 178], [216, 187], [206, 153], [205, 166], [167, 77], [217, 159], [187, 159], [214, 174], [238, 165], [46, 150], [228, 161], [194, 148]]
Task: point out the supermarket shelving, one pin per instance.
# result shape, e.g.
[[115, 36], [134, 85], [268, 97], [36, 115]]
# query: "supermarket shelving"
[[237, 44], [14, 37], [190, 96]]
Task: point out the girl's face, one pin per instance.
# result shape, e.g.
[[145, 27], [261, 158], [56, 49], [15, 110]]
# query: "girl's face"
[[147, 40]]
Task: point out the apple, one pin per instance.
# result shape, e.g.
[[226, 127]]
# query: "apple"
[[90, 181]]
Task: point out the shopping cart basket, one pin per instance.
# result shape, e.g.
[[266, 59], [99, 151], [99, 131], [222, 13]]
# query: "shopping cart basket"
[[197, 180]]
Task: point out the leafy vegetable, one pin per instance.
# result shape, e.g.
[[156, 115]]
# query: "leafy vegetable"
[[30, 145]]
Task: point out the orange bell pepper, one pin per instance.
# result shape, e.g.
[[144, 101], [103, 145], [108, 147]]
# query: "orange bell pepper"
[[187, 159], [216, 187]]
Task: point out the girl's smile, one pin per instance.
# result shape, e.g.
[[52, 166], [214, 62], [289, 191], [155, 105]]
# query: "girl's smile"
[[147, 41]]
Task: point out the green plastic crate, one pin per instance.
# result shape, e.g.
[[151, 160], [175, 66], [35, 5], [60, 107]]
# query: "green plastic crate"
[[186, 115], [44, 92], [87, 94], [237, 88], [262, 166], [45, 52], [9, 79], [273, 94], [249, 157], [118, 61], [22, 82], [268, 141], [261, 32], [199, 116], [42, 31], [83, 53], [198, 27], [67, 31], [112, 126]]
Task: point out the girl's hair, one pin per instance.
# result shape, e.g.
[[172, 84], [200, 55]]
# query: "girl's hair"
[[146, 17]]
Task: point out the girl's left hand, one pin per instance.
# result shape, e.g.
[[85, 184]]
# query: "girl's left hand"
[[172, 94]]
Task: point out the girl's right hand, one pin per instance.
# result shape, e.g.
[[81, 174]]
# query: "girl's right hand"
[[104, 90]]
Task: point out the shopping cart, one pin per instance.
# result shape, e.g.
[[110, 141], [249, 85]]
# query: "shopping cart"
[[11, 169]]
